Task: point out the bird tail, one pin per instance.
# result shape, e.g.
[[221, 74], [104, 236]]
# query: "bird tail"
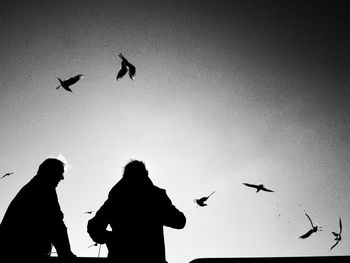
[[61, 82]]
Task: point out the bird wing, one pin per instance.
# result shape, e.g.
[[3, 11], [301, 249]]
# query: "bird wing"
[[122, 71], [340, 225], [336, 243], [309, 219], [122, 57], [132, 71], [307, 234], [251, 185], [266, 190], [67, 89]]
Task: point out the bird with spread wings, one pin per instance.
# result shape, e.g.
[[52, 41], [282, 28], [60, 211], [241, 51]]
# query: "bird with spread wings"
[[69, 82], [259, 187], [126, 66], [200, 201], [337, 236], [314, 229]]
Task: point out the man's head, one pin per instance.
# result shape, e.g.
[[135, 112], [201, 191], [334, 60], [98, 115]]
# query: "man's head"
[[51, 171], [135, 167], [135, 171]]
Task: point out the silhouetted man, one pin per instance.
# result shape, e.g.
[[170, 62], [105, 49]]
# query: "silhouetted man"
[[136, 211], [33, 221]]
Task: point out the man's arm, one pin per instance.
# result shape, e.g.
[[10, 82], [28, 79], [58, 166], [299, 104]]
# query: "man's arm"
[[97, 226], [60, 237], [61, 241], [171, 216]]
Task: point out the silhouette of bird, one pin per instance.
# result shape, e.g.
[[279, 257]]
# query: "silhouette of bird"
[[6, 174], [88, 212], [69, 82], [337, 236], [258, 187], [200, 202], [313, 229], [126, 67]]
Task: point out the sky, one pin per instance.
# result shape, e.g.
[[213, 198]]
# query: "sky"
[[225, 93]]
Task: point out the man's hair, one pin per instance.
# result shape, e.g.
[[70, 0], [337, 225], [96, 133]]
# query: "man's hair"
[[49, 165], [135, 168]]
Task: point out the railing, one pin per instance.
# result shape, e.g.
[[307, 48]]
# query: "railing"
[[327, 259]]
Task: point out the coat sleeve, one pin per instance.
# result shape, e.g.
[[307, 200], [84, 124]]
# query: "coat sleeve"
[[171, 216], [60, 237], [97, 226], [61, 241]]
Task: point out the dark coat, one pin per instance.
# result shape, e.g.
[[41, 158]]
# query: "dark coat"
[[33, 223], [136, 213]]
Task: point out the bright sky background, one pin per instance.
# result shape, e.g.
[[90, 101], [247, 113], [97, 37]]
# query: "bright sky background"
[[225, 93]]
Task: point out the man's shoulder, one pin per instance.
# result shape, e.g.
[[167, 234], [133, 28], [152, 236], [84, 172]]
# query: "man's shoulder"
[[159, 190]]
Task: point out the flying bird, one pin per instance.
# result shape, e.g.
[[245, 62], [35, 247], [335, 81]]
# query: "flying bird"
[[126, 67], [337, 236], [69, 82], [88, 212], [258, 187], [313, 229], [6, 174], [200, 202]]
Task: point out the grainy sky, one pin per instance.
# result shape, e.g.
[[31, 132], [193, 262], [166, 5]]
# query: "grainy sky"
[[226, 92]]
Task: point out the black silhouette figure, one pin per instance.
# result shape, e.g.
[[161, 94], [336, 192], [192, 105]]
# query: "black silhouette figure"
[[200, 202], [314, 229], [69, 82], [259, 187], [33, 221], [6, 174], [136, 211], [337, 236], [126, 67]]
